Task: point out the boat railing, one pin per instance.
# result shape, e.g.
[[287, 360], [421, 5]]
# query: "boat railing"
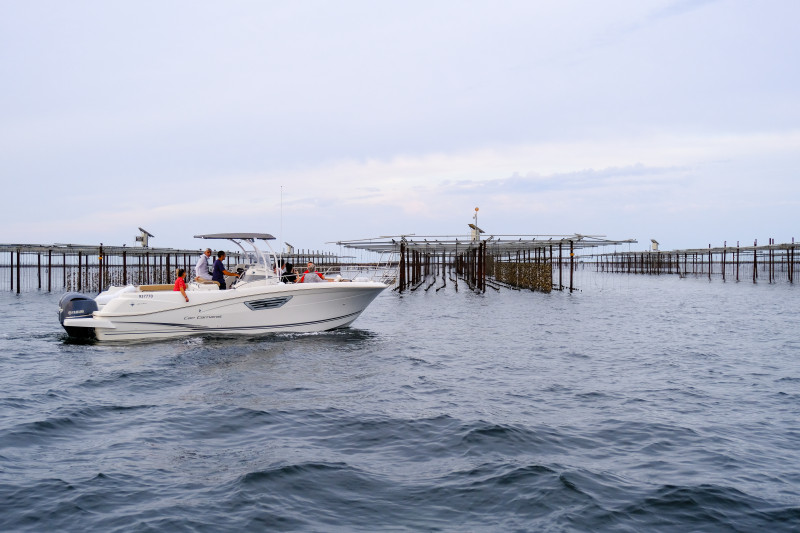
[[384, 270]]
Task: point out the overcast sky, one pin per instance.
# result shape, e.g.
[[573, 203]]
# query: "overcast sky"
[[320, 121]]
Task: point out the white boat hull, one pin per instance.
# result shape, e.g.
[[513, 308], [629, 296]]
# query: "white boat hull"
[[249, 310]]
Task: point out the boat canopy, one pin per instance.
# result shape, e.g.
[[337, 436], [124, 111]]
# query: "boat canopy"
[[242, 236], [250, 238]]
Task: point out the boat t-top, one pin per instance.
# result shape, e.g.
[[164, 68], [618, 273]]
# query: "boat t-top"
[[257, 302]]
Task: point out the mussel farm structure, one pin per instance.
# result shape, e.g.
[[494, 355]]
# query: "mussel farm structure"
[[535, 262], [91, 268], [770, 262]]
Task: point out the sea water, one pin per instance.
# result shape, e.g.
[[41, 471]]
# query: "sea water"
[[637, 403]]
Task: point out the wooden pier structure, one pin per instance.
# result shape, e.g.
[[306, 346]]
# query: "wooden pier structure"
[[535, 262], [770, 262]]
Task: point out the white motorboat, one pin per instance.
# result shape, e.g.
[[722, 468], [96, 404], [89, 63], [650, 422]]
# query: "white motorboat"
[[256, 303]]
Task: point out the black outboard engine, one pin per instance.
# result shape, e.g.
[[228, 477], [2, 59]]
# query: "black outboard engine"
[[76, 305]]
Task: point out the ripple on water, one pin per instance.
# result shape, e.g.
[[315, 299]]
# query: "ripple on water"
[[639, 404]]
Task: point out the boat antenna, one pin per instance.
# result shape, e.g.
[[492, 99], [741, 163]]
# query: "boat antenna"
[[281, 236]]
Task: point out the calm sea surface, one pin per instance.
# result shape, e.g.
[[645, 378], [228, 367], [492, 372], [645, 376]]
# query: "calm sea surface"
[[638, 404]]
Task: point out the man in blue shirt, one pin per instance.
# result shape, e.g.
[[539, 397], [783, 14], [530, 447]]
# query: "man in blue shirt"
[[220, 272]]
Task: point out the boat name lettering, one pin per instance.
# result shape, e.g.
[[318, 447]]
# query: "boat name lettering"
[[145, 296]]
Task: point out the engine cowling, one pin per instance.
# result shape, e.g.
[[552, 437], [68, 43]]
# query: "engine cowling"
[[76, 305]]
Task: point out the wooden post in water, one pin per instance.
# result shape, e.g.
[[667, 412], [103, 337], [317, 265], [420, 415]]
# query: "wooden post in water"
[[455, 267], [80, 259], [571, 263], [478, 267], [402, 269], [100, 269], [411, 267], [755, 261], [49, 269], [124, 267], [737, 260], [412, 274], [483, 267], [768, 261], [771, 261], [724, 251]]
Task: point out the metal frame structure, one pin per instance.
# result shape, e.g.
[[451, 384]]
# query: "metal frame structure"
[[420, 255]]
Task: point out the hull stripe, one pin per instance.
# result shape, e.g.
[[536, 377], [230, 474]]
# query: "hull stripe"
[[205, 329]]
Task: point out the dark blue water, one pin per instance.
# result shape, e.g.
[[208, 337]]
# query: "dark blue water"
[[638, 404]]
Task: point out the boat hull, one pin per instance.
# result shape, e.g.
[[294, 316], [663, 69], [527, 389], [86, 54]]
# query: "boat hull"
[[296, 308]]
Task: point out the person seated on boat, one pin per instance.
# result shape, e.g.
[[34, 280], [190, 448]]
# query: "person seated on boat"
[[180, 283], [289, 275], [220, 272], [311, 275], [201, 272]]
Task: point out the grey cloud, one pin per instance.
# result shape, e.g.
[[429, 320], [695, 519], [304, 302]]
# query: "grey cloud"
[[638, 175]]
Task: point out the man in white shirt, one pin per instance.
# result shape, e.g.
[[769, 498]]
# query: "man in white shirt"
[[201, 272]]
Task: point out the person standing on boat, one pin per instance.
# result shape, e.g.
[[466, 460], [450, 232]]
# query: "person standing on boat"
[[201, 272], [180, 283], [311, 275], [220, 272]]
